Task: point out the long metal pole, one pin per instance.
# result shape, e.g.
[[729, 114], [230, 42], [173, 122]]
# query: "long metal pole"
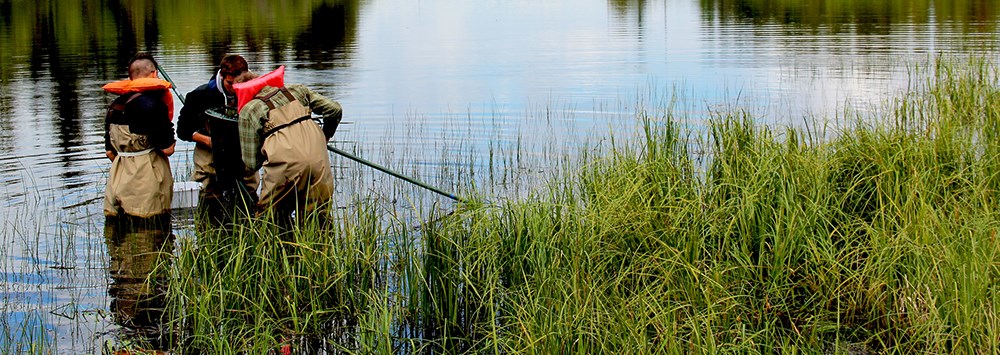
[[172, 85], [393, 173]]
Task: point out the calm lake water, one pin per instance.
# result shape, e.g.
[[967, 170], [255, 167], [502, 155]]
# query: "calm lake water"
[[425, 85]]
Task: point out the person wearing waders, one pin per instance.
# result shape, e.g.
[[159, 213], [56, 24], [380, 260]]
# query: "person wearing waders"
[[138, 138], [278, 134], [208, 118]]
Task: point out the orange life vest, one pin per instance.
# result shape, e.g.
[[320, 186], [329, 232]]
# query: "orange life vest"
[[143, 84]]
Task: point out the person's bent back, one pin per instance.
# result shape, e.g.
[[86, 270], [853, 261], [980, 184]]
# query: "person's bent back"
[[277, 133]]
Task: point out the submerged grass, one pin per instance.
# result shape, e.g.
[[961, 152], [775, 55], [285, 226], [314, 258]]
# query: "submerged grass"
[[880, 238]]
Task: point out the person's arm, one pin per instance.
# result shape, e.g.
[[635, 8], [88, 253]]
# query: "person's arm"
[[192, 119], [249, 127], [202, 139], [169, 150], [330, 110], [109, 150]]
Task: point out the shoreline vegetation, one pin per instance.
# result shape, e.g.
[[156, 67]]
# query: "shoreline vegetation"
[[879, 237]]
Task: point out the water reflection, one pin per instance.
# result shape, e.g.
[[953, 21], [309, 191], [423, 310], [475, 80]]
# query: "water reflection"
[[128, 41], [65, 116], [633, 11], [6, 121], [105, 33], [863, 17], [323, 44], [139, 250]]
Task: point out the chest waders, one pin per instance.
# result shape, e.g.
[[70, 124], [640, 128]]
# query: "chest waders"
[[140, 182], [296, 166]]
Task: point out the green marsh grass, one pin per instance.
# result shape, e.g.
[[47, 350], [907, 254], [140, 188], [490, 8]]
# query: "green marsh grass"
[[258, 286], [877, 237]]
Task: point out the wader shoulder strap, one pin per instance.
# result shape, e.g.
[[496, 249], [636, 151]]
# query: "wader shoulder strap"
[[271, 106], [278, 128], [267, 98], [120, 106]]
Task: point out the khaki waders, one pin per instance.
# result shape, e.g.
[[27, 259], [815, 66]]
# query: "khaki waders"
[[140, 183], [296, 163]]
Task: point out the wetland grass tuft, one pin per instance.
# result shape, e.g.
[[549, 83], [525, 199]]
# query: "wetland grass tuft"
[[258, 286]]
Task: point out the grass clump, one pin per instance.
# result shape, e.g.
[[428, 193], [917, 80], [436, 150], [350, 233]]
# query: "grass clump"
[[258, 286], [882, 238]]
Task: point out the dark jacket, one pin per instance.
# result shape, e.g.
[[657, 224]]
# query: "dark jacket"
[[192, 117], [225, 133]]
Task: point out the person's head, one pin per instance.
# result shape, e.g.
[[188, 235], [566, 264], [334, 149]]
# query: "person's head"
[[142, 65], [230, 67], [245, 77]]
